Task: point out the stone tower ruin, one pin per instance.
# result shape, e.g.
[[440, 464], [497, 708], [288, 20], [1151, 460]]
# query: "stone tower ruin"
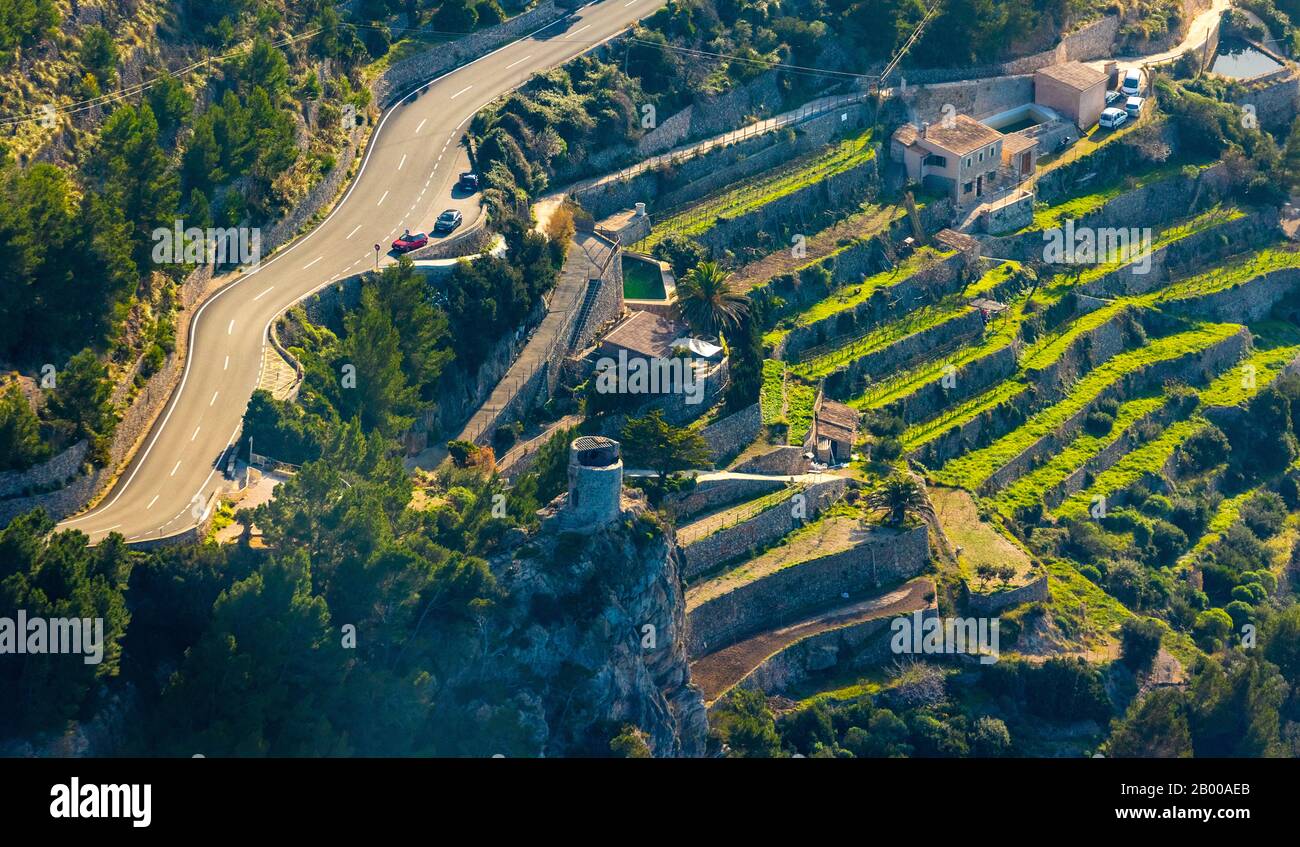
[[595, 482]]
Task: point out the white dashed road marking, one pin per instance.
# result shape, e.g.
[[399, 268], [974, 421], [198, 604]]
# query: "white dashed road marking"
[[462, 91], [354, 231], [230, 329], [576, 31], [154, 500], [382, 199], [403, 162], [526, 58], [268, 291], [196, 433], [312, 262], [421, 126], [214, 398], [176, 468]]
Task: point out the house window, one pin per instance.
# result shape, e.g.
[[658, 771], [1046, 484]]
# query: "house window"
[[934, 161], [981, 155], [967, 188], [968, 161]]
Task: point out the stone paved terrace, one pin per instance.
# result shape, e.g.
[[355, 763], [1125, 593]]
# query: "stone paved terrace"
[[834, 534], [587, 254], [718, 672]]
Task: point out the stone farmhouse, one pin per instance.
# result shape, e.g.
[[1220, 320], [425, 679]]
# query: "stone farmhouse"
[[958, 155]]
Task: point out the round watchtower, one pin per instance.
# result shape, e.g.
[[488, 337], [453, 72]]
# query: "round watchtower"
[[595, 481]]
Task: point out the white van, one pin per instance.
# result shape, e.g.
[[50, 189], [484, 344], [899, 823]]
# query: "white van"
[[1113, 118]]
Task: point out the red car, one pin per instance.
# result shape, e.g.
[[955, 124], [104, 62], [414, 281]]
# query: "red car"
[[410, 241]]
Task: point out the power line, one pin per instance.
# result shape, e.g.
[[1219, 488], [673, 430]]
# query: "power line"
[[139, 87]]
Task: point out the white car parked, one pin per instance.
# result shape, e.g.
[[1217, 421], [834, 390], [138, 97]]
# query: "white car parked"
[[1132, 85], [1113, 118]]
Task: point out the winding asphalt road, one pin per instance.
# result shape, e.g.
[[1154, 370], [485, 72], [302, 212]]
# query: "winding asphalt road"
[[404, 182]]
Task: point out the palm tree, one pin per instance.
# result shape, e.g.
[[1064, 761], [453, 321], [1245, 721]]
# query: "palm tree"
[[898, 496], [707, 302]]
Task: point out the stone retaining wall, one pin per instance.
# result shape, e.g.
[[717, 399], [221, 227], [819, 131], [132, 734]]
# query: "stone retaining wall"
[[846, 380], [886, 556], [1245, 302], [981, 604], [676, 184], [728, 436], [782, 461], [715, 493], [55, 470], [404, 75], [970, 379], [802, 210], [946, 275], [852, 647], [1181, 257], [1106, 458], [760, 531], [1006, 416]]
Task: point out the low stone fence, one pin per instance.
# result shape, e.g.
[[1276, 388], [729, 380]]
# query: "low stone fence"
[[728, 436], [886, 556], [761, 530]]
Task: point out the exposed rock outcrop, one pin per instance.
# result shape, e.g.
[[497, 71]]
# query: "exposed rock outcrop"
[[595, 641]]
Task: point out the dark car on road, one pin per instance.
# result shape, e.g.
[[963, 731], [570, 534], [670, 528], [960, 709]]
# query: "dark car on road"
[[447, 221], [410, 241], [468, 181]]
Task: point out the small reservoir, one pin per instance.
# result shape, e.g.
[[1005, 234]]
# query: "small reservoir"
[[1238, 59]]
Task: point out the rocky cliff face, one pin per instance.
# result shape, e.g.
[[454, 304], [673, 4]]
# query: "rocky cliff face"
[[595, 641]]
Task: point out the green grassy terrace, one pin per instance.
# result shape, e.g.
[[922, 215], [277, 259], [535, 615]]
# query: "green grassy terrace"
[[1227, 389], [920, 320], [1240, 270], [1184, 228], [1002, 332], [1085, 204], [771, 396], [800, 398], [971, 470], [879, 338], [751, 195], [1027, 491], [851, 296]]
